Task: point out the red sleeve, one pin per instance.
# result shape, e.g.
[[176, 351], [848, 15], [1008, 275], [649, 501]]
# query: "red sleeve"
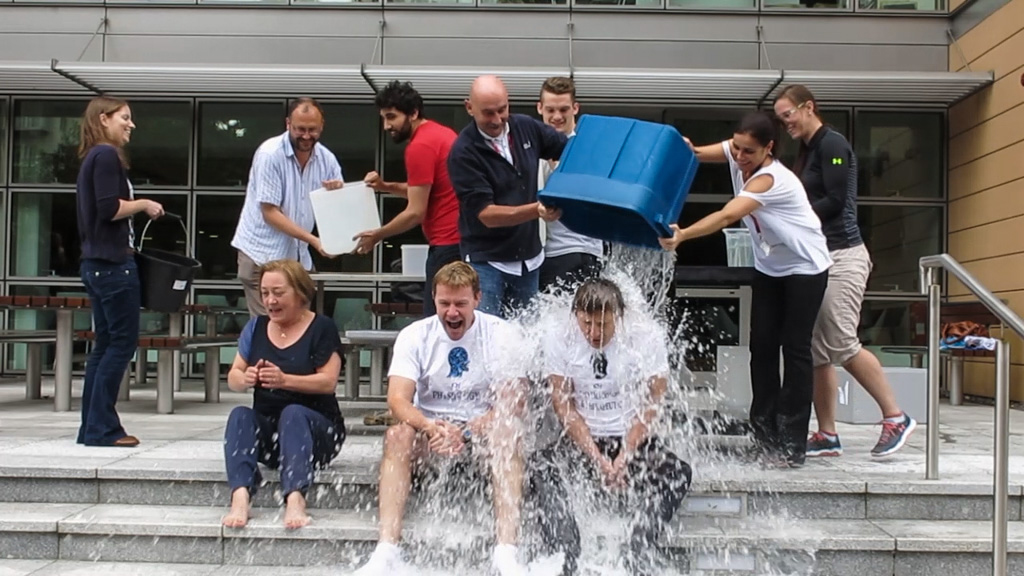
[[420, 164]]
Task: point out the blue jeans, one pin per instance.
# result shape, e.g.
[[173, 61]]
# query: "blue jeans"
[[503, 294], [115, 298], [301, 440]]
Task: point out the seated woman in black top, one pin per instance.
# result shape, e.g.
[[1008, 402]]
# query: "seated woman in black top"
[[291, 359]]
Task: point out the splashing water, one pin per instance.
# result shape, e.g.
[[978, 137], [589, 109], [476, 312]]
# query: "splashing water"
[[450, 520]]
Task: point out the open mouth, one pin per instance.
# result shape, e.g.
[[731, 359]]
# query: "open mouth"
[[454, 324], [274, 310]]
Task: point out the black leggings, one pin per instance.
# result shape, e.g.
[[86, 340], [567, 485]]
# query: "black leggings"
[[783, 312], [657, 475]]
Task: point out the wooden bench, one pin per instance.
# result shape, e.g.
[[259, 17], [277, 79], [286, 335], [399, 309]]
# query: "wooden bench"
[[166, 347], [34, 341]]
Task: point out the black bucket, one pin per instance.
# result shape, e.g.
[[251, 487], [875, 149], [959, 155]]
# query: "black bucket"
[[165, 277]]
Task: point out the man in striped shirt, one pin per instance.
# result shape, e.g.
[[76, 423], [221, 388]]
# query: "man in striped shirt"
[[277, 217]]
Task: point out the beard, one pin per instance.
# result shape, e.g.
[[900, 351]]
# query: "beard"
[[402, 134]]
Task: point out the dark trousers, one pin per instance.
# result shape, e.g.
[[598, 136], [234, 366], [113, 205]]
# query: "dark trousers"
[[299, 442], [658, 477], [437, 257], [783, 312], [115, 299], [568, 271]]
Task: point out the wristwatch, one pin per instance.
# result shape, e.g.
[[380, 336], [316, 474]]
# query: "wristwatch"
[[467, 434]]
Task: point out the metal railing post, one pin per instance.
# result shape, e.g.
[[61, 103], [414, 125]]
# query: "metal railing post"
[[932, 440], [1001, 456]]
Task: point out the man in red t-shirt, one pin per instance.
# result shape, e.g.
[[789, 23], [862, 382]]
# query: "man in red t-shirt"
[[432, 202]]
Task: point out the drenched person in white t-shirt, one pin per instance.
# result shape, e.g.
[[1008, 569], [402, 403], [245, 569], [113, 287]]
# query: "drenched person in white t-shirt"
[[608, 392], [454, 390]]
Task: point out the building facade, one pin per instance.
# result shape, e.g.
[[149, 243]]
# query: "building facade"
[[209, 80]]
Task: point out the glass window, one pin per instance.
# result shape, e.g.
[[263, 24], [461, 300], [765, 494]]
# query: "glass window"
[[46, 136], [837, 119], [350, 132], [713, 4], [891, 323], [816, 4], [897, 237], [642, 3], [45, 320], [44, 234], [229, 134], [216, 219], [392, 247], [165, 233], [900, 154], [3, 141], [704, 127], [349, 309], [704, 323], [225, 299], [504, 2], [160, 144], [342, 262], [901, 5], [705, 251]]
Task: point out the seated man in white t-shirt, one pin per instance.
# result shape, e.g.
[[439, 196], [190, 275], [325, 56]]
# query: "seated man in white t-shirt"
[[608, 390], [453, 385]]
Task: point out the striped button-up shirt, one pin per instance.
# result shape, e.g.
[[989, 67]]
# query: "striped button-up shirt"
[[276, 178]]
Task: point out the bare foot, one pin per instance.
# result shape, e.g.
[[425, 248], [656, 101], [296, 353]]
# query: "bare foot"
[[239, 513], [295, 511]]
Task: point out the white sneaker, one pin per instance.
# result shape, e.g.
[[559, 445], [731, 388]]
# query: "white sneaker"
[[385, 561], [505, 563]]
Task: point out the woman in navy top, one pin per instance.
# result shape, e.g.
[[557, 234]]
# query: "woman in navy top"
[[106, 204], [291, 359]]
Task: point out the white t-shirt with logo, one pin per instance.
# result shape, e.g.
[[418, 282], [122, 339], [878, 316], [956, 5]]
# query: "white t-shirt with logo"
[[607, 392], [455, 379]]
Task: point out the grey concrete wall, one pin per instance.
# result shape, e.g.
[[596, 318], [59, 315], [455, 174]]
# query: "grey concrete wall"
[[275, 35]]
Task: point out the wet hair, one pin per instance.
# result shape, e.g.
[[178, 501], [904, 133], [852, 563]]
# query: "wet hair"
[[598, 295], [401, 96], [304, 104], [559, 85], [800, 95], [763, 127], [92, 131], [294, 274], [456, 274]]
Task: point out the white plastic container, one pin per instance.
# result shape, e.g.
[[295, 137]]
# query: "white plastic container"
[[341, 214], [739, 247], [414, 259]]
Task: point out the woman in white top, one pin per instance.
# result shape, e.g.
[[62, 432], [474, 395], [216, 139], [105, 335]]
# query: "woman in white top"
[[791, 260]]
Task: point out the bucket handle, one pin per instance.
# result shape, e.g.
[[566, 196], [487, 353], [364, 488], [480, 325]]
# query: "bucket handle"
[[142, 238]]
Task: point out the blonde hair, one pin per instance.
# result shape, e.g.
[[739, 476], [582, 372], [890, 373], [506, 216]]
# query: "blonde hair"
[[294, 274], [92, 131], [457, 274]]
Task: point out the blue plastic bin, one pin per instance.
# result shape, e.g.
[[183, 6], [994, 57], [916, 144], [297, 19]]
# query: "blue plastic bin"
[[622, 180]]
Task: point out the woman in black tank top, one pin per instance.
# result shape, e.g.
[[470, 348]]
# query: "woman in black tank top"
[[290, 359]]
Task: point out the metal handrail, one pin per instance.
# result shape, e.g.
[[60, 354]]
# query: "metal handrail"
[[1001, 440]]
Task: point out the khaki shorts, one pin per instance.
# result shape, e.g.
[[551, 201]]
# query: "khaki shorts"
[[835, 338]]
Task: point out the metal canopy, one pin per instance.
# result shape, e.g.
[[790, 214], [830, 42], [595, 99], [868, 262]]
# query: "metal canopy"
[[454, 81], [19, 77], [945, 88], [225, 79], [668, 85], [745, 87]]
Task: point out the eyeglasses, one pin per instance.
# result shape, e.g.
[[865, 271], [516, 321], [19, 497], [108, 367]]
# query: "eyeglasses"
[[600, 364], [789, 113]]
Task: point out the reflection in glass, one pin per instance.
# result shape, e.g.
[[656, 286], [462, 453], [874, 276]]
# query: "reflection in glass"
[[901, 5], [889, 323], [44, 234], [816, 4], [503, 2], [349, 309], [229, 134], [216, 219], [351, 132], [46, 141], [900, 154], [160, 143], [45, 320], [713, 4], [897, 237]]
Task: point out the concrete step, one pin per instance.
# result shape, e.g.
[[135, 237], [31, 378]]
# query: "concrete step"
[[756, 545], [192, 473]]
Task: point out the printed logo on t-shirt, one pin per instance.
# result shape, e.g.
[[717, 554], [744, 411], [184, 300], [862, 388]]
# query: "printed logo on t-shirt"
[[458, 362]]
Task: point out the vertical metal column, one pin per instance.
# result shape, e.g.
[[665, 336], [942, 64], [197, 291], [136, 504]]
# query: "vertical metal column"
[[932, 442], [1000, 469], [165, 382], [175, 330], [211, 376], [34, 371], [62, 361]]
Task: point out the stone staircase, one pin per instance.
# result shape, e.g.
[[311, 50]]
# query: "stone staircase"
[[66, 509]]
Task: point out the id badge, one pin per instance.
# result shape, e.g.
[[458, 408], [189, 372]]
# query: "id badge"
[[765, 247]]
